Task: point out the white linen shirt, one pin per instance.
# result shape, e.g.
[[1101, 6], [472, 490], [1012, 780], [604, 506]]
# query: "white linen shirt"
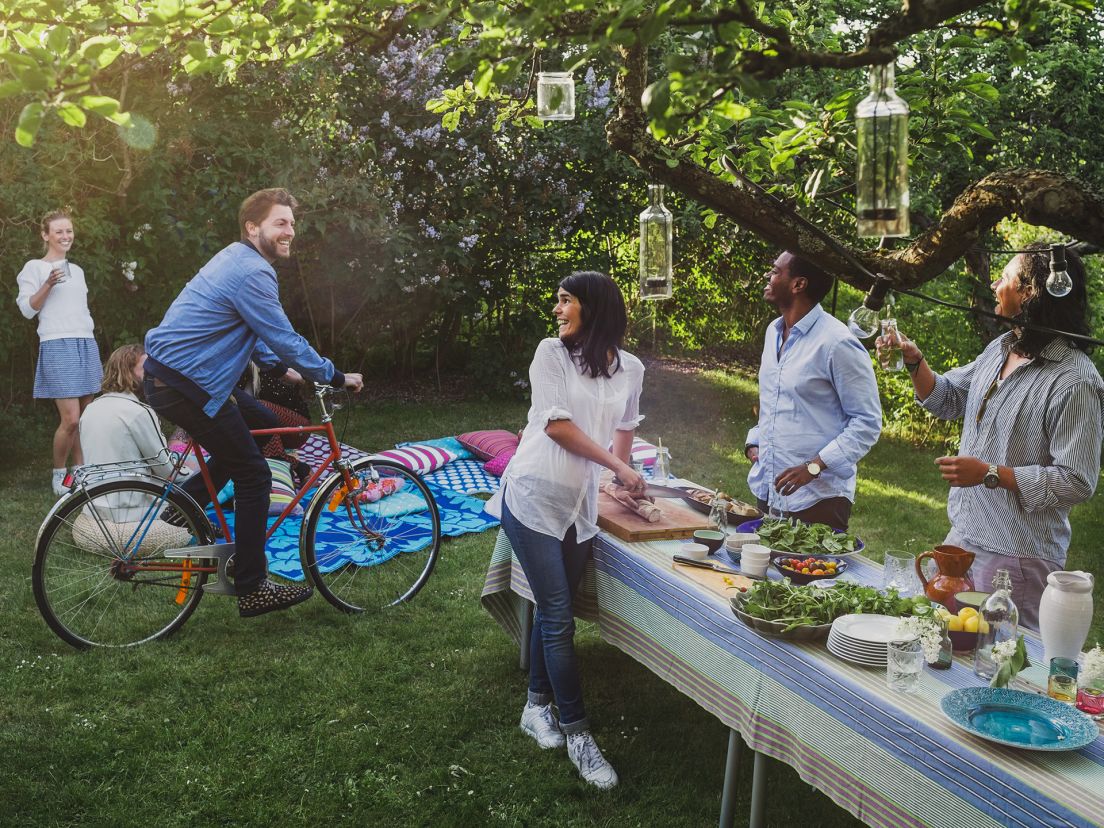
[[64, 314], [547, 488], [115, 428]]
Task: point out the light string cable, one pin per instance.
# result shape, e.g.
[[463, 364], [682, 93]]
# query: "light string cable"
[[854, 262]]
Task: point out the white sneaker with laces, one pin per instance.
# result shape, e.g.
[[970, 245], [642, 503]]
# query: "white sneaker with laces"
[[539, 722], [592, 765], [58, 482]]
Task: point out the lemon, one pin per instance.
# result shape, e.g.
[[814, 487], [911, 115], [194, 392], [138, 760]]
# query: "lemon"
[[967, 612], [944, 613], [983, 625], [970, 624], [954, 624]]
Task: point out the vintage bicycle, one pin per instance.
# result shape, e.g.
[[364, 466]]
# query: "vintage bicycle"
[[125, 556]]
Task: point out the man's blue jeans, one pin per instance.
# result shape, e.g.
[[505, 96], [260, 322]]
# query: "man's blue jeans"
[[554, 569]]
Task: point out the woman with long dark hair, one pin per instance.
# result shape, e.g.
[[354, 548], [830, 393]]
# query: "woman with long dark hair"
[[586, 394], [1032, 405]]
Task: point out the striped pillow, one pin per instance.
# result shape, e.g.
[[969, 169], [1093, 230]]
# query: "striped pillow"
[[419, 458], [283, 490], [487, 445]]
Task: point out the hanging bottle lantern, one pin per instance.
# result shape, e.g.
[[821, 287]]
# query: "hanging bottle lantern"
[[881, 127], [656, 237], [866, 318], [555, 96]]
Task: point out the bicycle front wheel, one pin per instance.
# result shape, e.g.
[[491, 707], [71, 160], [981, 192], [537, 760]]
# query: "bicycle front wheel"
[[376, 545], [101, 577]]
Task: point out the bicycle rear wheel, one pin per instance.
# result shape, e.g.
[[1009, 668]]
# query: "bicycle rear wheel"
[[100, 574], [365, 555]]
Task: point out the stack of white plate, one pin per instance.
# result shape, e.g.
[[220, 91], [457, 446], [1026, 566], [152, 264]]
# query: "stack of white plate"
[[862, 639]]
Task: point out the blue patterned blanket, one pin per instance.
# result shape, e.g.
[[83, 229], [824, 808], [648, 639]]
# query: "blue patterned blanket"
[[460, 514]]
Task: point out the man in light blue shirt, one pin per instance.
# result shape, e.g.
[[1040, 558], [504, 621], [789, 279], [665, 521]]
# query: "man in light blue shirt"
[[229, 313], [819, 412]]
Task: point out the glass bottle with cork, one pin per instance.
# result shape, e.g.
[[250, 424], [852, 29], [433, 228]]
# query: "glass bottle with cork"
[[998, 621]]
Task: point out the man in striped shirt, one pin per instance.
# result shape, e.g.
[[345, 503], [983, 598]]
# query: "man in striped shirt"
[[1032, 405]]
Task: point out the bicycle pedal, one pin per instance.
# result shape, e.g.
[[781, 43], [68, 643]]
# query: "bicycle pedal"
[[222, 553]]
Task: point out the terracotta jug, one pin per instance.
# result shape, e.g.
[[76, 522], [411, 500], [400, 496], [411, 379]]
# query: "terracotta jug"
[[951, 578]]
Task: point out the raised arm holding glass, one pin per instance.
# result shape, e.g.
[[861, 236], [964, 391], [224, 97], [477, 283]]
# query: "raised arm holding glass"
[[1032, 406]]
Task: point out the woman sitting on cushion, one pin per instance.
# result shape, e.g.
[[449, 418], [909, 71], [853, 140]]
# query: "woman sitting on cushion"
[[117, 427]]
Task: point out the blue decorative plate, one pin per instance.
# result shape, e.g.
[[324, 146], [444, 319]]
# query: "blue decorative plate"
[[753, 526], [1019, 719]]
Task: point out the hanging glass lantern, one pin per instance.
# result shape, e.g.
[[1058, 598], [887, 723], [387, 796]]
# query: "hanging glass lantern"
[[881, 127], [1059, 283], [656, 237], [555, 96]]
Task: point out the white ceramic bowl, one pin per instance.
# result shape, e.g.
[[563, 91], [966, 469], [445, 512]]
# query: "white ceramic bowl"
[[696, 551], [735, 541], [754, 569], [756, 550]]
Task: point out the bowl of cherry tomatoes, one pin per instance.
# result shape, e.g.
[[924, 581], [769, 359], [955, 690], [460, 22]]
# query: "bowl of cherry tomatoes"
[[808, 569]]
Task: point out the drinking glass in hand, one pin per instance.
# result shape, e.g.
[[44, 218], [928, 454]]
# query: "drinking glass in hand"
[[62, 268], [890, 354]]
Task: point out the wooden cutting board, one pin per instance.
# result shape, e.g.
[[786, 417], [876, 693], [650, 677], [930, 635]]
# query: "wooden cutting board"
[[678, 521]]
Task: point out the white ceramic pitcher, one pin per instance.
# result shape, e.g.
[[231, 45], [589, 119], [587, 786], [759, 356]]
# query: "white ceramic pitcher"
[[1065, 613]]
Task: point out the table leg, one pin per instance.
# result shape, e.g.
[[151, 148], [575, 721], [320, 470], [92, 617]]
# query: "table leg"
[[525, 611], [731, 777], [758, 791]]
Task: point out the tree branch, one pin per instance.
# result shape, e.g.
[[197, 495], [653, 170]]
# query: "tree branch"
[[1038, 197]]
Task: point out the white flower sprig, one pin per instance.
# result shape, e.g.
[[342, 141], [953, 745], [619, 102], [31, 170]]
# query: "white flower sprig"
[[1010, 657], [927, 629], [1094, 666]]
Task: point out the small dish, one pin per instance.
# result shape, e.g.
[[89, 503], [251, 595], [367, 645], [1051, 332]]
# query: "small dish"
[[694, 551], [710, 538], [736, 540]]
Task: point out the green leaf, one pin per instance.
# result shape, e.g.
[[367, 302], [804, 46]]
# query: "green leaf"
[[451, 120], [139, 132], [30, 120], [9, 88], [72, 114], [732, 110], [100, 104], [58, 40], [657, 98], [34, 80], [983, 131]]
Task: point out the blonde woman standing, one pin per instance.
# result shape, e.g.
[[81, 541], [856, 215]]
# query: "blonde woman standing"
[[69, 370]]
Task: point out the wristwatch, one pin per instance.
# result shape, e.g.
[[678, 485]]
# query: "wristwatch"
[[813, 468], [992, 478]]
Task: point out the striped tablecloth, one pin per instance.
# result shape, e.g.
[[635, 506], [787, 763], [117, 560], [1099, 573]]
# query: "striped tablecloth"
[[891, 759]]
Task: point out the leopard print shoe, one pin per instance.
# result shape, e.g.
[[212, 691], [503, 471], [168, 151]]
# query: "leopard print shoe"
[[270, 596]]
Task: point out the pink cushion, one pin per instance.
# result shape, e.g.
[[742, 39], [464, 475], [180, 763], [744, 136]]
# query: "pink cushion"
[[487, 445], [497, 465], [418, 458]]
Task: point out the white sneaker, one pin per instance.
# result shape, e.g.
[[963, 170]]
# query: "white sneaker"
[[58, 482], [539, 722], [592, 765]]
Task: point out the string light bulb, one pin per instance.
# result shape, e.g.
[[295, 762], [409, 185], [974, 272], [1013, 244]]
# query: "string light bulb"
[[1058, 283]]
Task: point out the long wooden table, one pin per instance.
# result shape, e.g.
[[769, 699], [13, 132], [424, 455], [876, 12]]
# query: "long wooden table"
[[880, 755]]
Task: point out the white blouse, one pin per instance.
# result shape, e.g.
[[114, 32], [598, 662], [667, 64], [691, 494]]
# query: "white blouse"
[[547, 488]]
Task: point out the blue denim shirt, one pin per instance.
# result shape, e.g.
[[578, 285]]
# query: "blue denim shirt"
[[817, 396], [229, 313]]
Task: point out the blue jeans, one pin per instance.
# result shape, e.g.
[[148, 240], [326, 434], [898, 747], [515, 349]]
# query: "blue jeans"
[[554, 569], [235, 455]]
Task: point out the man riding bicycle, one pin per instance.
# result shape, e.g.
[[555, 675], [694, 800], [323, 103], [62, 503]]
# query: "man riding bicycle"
[[227, 314]]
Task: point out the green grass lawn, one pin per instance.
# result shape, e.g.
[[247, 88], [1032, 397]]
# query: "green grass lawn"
[[410, 717]]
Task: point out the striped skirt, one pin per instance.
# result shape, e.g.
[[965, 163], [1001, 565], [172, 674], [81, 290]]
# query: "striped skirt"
[[67, 368]]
